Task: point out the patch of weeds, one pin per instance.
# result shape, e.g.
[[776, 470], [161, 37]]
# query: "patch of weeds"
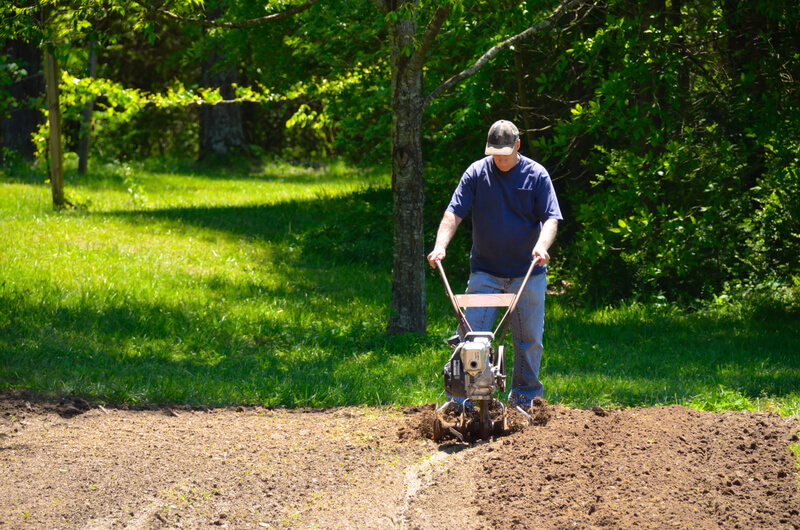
[[133, 185], [721, 399], [186, 496], [795, 448]]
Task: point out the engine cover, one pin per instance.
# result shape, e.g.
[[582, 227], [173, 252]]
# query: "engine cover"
[[455, 378], [469, 374]]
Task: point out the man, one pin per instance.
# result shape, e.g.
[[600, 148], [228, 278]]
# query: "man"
[[515, 216]]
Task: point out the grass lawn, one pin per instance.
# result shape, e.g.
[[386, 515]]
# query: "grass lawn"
[[271, 286]]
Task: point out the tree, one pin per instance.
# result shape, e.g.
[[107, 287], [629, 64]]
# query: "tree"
[[26, 92], [221, 129], [408, 56], [50, 24], [54, 118], [35, 27], [45, 26], [680, 124], [86, 119], [221, 125]]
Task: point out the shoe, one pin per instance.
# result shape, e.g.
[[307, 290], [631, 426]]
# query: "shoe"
[[519, 401]]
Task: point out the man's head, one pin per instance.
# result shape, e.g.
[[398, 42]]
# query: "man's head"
[[503, 139], [503, 144]]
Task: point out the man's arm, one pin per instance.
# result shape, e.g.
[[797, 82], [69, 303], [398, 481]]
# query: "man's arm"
[[546, 238], [447, 229]]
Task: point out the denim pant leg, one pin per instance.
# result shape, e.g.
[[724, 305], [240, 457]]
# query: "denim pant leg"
[[482, 318], [527, 328]]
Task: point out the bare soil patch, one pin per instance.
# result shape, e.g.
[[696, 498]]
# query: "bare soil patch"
[[76, 465]]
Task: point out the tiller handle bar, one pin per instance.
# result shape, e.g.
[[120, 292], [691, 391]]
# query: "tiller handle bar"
[[460, 314], [462, 320]]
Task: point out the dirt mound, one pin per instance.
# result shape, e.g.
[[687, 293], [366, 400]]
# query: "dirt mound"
[[76, 465], [648, 468]]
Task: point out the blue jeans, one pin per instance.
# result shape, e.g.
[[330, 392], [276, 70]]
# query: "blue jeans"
[[527, 327]]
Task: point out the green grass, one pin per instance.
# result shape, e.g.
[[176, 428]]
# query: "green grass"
[[271, 286], [641, 355], [795, 448]]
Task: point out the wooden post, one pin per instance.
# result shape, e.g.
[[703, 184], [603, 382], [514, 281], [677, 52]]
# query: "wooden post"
[[54, 117]]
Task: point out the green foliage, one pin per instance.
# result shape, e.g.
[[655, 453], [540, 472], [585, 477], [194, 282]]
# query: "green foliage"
[[670, 128], [10, 72], [151, 86], [687, 181], [342, 81], [115, 106], [270, 286]]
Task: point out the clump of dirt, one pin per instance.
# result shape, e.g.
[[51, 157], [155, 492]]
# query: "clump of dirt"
[[419, 424], [541, 412], [73, 464]]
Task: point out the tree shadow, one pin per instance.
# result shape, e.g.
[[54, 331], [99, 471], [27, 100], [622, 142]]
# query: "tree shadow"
[[659, 359], [354, 228], [116, 175], [138, 352]]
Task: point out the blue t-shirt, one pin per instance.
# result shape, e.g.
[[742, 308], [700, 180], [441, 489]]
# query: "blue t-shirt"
[[508, 209]]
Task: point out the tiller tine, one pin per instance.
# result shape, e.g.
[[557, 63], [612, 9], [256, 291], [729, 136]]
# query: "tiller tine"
[[468, 427]]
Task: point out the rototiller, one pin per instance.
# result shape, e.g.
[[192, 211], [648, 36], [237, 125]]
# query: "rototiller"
[[476, 369]]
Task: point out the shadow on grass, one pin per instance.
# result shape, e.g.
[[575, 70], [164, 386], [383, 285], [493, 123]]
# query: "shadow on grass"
[[117, 175], [356, 228], [142, 353], [645, 359], [122, 349]]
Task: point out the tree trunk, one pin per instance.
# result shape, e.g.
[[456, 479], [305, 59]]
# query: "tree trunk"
[[221, 129], [86, 121], [24, 119], [408, 105], [408, 188], [54, 117], [524, 104]]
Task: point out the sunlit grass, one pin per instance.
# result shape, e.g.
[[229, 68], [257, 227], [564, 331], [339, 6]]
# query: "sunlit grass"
[[795, 448], [271, 285], [637, 354]]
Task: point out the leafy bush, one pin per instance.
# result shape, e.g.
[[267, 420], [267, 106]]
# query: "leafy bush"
[[687, 184]]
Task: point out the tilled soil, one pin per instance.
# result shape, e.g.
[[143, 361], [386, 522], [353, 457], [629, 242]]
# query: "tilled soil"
[[76, 465]]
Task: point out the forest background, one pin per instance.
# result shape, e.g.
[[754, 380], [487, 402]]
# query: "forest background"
[[670, 128]]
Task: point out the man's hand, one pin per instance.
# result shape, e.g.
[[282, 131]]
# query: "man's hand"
[[437, 254], [540, 256]]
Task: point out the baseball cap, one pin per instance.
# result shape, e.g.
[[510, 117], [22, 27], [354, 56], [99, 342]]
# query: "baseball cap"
[[503, 137]]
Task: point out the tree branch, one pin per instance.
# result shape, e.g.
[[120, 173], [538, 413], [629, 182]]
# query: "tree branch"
[[494, 50], [383, 6], [237, 25], [429, 35]]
